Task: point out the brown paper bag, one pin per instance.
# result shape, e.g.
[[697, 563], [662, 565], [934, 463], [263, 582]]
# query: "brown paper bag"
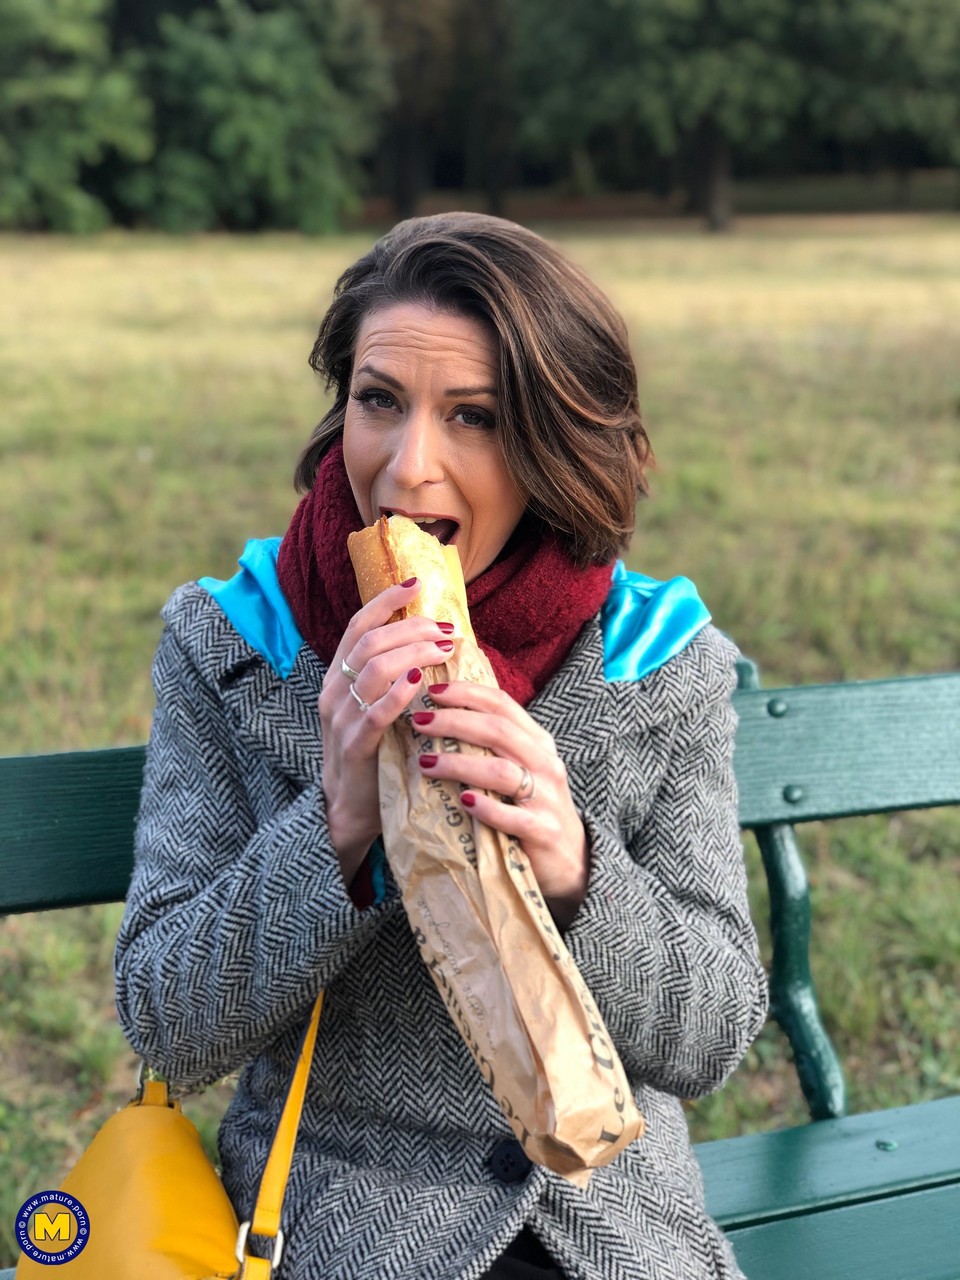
[[490, 944]]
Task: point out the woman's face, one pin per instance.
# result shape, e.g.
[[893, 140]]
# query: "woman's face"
[[419, 435]]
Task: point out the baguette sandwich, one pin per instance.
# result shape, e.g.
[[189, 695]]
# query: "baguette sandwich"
[[396, 549], [484, 932]]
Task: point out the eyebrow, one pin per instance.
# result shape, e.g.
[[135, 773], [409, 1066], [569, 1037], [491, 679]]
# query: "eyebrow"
[[380, 376], [471, 391]]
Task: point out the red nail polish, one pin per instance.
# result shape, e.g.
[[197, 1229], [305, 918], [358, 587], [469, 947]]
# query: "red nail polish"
[[445, 645], [409, 582], [414, 675], [437, 688], [446, 627], [469, 799], [428, 761], [422, 717]]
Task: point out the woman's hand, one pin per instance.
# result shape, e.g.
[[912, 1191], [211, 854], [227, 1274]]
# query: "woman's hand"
[[526, 770], [356, 709]]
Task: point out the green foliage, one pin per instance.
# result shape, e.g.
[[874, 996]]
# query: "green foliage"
[[699, 80], [263, 112], [883, 68], [65, 102], [249, 114], [419, 44], [662, 65]]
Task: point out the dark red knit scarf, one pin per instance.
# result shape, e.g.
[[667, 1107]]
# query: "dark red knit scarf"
[[527, 609]]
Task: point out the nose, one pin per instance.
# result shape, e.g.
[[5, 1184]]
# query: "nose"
[[416, 456]]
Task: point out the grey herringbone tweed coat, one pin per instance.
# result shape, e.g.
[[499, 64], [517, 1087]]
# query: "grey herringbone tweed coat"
[[237, 916]]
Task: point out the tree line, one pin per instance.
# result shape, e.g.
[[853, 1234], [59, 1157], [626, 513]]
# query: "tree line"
[[189, 115]]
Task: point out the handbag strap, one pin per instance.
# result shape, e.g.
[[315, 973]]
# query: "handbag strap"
[[273, 1184]]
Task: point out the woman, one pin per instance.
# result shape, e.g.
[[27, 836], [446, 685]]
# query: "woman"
[[484, 387]]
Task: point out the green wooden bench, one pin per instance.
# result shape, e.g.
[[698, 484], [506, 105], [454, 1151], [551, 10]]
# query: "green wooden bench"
[[849, 1197], [844, 1198]]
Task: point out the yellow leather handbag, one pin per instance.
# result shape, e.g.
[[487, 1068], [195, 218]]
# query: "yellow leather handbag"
[[154, 1205]]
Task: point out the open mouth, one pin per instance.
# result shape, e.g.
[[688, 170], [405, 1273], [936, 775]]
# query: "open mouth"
[[441, 527]]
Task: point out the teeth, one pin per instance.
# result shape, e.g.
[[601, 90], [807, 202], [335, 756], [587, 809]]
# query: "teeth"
[[423, 520]]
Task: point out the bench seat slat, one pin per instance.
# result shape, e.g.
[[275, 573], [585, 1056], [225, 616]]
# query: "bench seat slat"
[[910, 1237], [770, 1175], [866, 747]]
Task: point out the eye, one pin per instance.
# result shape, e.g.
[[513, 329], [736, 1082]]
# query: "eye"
[[373, 398], [473, 417]]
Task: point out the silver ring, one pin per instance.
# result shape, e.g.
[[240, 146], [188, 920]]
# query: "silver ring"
[[348, 671], [527, 788], [364, 706]]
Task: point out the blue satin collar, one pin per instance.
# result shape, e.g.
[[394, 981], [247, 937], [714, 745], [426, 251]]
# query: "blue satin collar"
[[644, 622], [256, 606]]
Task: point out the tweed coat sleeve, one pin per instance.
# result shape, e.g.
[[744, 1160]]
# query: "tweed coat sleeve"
[[664, 938], [237, 913]]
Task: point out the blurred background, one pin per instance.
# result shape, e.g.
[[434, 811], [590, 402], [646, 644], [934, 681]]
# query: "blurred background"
[[243, 115], [768, 191]]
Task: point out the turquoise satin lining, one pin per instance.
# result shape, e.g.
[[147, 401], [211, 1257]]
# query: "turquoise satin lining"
[[256, 606], [646, 622], [378, 870]]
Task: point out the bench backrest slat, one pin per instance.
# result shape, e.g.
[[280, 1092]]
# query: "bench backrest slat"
[[66, 827], [830, 751], [66, 820]]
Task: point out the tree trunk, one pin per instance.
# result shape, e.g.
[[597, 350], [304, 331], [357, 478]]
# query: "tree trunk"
[[716, 174], [498, 98], [407, 167], [583, 176], [499, 165], [903, 188], [695, 200], [486, 98]]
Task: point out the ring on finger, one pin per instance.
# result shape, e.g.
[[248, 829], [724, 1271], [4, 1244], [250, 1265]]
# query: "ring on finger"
[[348, 671], [364, 706], [527, 788]]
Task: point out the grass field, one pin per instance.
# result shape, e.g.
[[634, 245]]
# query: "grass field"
[[802, 389]]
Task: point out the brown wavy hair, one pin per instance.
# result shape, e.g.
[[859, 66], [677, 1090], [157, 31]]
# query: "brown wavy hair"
[[568, 416]]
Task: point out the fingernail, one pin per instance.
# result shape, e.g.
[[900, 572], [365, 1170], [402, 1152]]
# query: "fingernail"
[[410, 582], [422, 717], [437, 688], [445, 645], [427, 761], [469, 799], [414, 675], [446, 628]]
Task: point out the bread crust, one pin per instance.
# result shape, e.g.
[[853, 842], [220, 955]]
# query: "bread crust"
[[395, 549]]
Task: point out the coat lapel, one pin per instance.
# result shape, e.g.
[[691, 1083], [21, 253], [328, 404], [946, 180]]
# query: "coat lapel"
[[577, 705], [277, 718]]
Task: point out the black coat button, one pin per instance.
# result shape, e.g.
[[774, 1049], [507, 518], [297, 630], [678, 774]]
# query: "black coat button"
[[509, 1162]]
